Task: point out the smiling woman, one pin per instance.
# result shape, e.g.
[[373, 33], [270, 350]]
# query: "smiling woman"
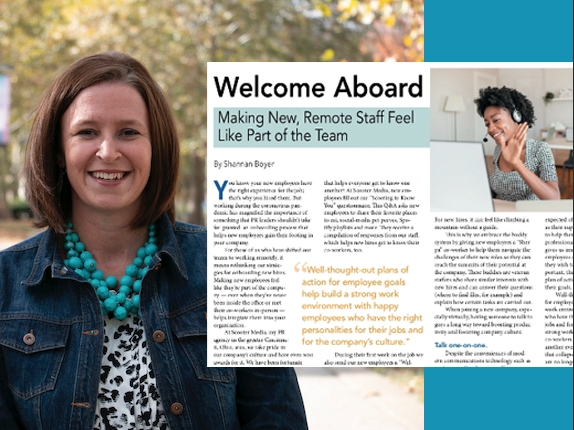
[[104, 314], [523, 169], [48, 188], [106, 149]]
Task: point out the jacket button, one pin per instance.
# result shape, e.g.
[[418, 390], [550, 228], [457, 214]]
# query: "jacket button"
[[29, 339], [159, 337], [176, 408], [157, 267]]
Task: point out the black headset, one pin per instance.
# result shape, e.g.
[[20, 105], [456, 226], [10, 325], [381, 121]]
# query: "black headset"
[[516, 115]]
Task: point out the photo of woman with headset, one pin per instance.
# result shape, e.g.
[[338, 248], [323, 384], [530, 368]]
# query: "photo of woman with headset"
[[523, 168]]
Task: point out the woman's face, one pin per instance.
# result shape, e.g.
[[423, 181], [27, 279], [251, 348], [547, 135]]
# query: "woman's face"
[[499, 124], [107, 149]]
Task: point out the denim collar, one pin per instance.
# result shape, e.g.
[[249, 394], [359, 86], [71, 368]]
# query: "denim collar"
[[48, 256]]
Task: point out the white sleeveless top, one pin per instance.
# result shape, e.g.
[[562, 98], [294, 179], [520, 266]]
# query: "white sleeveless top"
[[128, 397]]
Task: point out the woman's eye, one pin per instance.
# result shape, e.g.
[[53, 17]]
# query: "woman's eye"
[[86, 132], [130, 132]]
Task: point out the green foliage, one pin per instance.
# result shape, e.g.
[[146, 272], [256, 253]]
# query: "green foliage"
[[175, 39], [20, 208]]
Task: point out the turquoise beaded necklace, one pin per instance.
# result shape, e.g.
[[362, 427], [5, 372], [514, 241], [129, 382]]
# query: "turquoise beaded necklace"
[[127, 299]]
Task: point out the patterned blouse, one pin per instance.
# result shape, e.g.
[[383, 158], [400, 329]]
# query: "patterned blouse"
[[510, 185], [128, 397]]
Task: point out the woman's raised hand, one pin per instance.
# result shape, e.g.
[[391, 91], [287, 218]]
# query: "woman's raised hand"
[[512, 149]]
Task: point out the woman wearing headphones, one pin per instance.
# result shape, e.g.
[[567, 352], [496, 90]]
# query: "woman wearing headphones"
[[523, 169]]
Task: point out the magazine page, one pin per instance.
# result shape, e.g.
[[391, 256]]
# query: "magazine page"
[[318, 201], [354, 222], [353, 212], [502, 243]]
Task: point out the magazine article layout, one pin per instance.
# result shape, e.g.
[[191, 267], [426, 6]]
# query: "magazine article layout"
[[346, 230]]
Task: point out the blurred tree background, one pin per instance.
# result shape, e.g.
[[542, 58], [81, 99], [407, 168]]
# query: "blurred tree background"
[[175, 39], [394, 29]]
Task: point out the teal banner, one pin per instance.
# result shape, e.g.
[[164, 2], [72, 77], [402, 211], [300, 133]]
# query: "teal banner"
[[321, 128], [462, 31]]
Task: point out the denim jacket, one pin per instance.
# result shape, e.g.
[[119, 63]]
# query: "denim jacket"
[[51, 344]]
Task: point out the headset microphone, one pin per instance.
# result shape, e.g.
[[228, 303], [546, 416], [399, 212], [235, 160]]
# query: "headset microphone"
[[485, 139]]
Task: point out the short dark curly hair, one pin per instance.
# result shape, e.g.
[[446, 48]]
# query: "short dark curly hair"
[[508, 99]]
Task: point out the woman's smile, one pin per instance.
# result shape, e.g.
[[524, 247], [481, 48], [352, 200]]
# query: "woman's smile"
[[495, 135], [108, 176]]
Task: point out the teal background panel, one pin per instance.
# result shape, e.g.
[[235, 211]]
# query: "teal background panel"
[[379, 134], [506, 30], [498, 398]]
